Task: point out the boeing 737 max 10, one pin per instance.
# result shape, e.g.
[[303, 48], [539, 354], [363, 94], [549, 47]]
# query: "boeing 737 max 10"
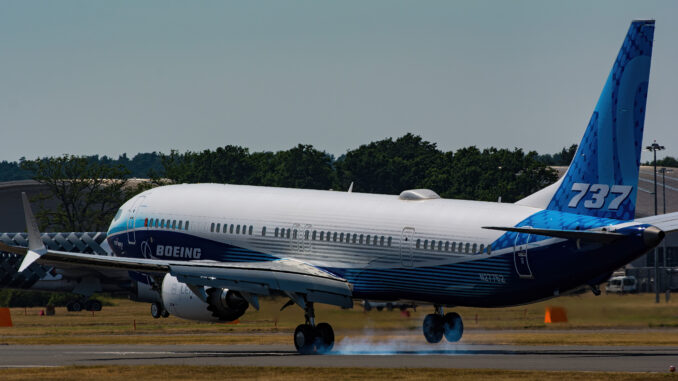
[[214, 249]]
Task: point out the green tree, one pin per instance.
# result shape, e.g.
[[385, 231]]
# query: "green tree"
[[88, 193], [389, 166]]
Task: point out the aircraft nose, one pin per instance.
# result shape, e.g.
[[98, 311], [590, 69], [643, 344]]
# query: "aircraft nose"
[[652, 236]]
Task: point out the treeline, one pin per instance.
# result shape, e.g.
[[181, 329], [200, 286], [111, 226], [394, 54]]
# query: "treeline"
[[387, 166], [140, 166]]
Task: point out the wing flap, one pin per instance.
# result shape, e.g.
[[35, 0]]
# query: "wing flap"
[[587, 235], [261, 277]]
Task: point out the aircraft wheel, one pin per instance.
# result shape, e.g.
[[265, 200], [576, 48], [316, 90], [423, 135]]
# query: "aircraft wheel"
[[156, 310], [433, 328], [324, 338], [453, 327], [304, 337], [76, 306], [164, 313], [93, 305]]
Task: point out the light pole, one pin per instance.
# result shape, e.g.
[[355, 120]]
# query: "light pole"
[[663, 172], [654, 148]]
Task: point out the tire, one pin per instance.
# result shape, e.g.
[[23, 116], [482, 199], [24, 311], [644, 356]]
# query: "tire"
[[156, 310], [324, 338], [433, 328], [93, 305], [453, 327], [164, 313], [389, 306], [69, 306], [76, 306], [304, 337]]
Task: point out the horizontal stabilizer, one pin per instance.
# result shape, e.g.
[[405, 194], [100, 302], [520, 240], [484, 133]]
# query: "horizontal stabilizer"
[[587, 235], [666, 222]]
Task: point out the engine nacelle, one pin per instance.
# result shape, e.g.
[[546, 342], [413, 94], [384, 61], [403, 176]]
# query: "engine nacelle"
[[222, 305]]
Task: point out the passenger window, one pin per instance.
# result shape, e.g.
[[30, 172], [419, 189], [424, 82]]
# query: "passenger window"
[[367, 241], [212, 227], [186, 226], [334, 237], [418, 243], [313, 236], [382, 241], [179, 224], [355, 238], [389, 241], [231, 230], [361, 239], [341, 237], [454, 247], [162, 223], [468, 246], [150, 223], [433, 244], [174, 224], [426, 244], [294, 233], [237, 229], [475, 247], [376, 241], [440, 245], [447, 245], [217, 230], [263, 231], [288, 232], [322, 236], [250, 230], [328, 236], [306, 233]]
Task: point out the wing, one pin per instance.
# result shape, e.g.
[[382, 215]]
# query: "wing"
[[666, 222], [586, 235]]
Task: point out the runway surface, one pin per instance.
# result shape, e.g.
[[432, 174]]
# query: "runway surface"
[[575, 358]]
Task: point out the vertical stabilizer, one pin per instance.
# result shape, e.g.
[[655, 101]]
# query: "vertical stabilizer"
[[602, 179]]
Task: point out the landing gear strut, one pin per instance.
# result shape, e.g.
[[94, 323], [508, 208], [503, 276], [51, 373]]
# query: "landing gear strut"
[[437, 325], [310, 338]]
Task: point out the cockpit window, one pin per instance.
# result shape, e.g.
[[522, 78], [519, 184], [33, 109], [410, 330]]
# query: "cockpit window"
[[118, 214]]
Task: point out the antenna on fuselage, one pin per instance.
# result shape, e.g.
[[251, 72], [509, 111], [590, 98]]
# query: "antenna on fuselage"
[[350, 188]]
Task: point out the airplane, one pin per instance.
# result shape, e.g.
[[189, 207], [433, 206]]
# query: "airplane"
[[211, 250]]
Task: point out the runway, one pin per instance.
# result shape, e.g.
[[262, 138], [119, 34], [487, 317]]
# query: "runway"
[[574, 358]]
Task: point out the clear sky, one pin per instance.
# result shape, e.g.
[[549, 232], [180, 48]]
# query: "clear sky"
[[107, 77]]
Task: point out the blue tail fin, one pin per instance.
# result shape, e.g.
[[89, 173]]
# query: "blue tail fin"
[[602, 180]]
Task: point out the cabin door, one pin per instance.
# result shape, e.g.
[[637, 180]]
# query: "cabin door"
[[301, 238], [406, 242], [521, 255], [131, 236]]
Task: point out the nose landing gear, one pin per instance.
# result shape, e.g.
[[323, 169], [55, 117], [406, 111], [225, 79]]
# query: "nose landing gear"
[[437, 325], [310, 338]]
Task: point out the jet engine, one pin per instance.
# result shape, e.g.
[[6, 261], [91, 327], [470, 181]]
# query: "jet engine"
[[222, 305]]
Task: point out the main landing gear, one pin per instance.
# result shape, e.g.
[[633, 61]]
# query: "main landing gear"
[[310, 338], [437, 325], [158, 310]]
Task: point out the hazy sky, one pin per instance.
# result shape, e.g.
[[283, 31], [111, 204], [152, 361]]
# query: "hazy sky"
[[107, 77]]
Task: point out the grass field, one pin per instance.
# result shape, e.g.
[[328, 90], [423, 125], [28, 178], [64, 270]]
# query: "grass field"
[[103, 373], [128, 321]]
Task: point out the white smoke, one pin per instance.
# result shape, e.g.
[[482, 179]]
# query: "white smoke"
[[389, 343]]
